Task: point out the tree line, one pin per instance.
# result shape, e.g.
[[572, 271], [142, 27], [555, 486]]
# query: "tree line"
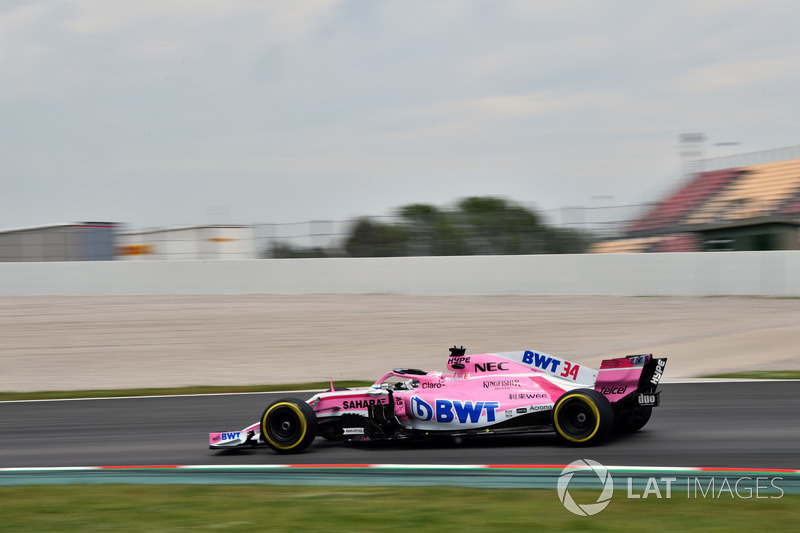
[[477, 225]]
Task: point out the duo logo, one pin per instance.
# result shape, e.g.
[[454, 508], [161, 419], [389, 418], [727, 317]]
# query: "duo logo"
[[447, 411]]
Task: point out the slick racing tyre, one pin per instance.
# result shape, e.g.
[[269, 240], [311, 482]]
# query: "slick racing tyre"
[[289, 425], [583, 417], [633, 420]]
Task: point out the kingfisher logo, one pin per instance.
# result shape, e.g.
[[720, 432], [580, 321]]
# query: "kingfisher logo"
[[446, 411], [593, 469]]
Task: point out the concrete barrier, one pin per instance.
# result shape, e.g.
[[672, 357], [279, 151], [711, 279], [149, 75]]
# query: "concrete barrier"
[[775, 273]]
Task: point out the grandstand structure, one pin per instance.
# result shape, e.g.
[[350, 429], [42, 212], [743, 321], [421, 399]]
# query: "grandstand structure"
[[754, 207]]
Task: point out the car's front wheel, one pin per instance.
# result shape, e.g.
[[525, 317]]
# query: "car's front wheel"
[[583, 417], [289, 425]]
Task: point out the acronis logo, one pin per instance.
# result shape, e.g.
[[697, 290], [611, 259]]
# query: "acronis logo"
[[447, 411]]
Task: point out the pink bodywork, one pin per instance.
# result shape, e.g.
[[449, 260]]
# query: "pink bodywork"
[[619, 377], [492, 383], [475, 391]]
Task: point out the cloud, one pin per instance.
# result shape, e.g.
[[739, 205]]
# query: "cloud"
[[536, 99], [50, 50], [740, 74]]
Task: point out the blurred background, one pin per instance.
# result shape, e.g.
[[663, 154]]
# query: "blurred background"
[[265, 148], [360, 128], [742, 202]]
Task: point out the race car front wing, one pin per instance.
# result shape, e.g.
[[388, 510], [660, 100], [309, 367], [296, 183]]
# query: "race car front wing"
[[234, 439]]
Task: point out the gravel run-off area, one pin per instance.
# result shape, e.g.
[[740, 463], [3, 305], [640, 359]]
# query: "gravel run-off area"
[[112, 342]]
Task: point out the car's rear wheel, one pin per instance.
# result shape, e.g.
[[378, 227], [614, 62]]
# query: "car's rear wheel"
[[583, 417], [289, 425], [633, 420]]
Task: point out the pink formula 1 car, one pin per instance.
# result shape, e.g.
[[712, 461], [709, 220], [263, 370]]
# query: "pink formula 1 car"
[[511, 392]]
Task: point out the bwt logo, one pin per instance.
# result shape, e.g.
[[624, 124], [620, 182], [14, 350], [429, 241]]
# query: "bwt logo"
[[421, 409], [446, 411], [540, 360]]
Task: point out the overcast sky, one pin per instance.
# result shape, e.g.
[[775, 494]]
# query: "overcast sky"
[[157, 113]]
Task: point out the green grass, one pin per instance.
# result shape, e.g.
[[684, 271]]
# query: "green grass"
[[760, 374], [49, 395], [174, 508]]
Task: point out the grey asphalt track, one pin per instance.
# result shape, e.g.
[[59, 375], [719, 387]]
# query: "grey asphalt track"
[[728, 425]]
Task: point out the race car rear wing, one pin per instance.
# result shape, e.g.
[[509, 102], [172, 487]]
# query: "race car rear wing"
[[634, 378]]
